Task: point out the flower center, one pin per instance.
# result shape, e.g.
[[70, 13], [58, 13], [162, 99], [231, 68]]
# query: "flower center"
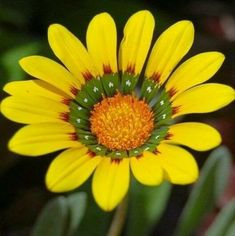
[[122, 122]]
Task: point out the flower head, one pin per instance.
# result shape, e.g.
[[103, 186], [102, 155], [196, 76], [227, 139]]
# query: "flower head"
[[92, 107]]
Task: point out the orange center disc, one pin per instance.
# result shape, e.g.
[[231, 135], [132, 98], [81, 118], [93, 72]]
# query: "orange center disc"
[[121, 122]]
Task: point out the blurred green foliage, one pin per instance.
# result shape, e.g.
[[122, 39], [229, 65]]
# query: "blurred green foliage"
[[10, 59], [61, 216], [206, 192], [225, 222], [147, 204]]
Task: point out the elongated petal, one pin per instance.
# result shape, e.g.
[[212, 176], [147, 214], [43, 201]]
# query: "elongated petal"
[[179, 165], [194, 71], [110, 182], [102, 43], [198, 136], [33, 109], [137, 38], [169, 49], [50, 71], [71, 52], [70, 169], [40, 139], [203, 98], [34, 88], [147, 169]]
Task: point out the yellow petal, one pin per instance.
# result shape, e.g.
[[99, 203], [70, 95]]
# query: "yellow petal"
[[169, 49], [179, 165], [33, 109], [39, 139], [147, 169], [137, 38], [71, 52], [34, 88], [102, 43], [203, 98], [110, 182], [51, 72], [194, 71], [70, 169], [198, 136]]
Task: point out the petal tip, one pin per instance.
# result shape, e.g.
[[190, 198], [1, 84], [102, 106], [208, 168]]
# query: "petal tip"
[[143, 14], [54, 26], [6, 87], [11, 145], [218, 56], [25, 61], [54, 31], [187, 25], [106, 206], [103, 14]]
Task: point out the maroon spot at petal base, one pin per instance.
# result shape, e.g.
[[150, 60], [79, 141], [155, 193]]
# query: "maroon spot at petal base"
[[139, 156], [87, 75], [66, 101], [64, 116], [74, 91], [172, 92], [156, 77], [156, 151], [91, 154], [73, 136], [115, 161], [107, 69], [168, 136], [175, 110], [130, 69]]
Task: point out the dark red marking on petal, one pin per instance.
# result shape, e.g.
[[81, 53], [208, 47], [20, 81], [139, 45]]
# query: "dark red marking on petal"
[[87, 75], [156, 151], [115, 161], [156, 77], [73, 136], [168, 136], [74, 91], [130, 69], [66, 101], [91, 154], [172, 92], [107, 69], [64, 116], [175, 110], [139, 156]]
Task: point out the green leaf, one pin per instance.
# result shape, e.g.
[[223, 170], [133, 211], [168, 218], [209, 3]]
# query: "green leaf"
[[147, 205], [96, 222], [53, 219], [225, 222], [61, 216], [231, 230], [10, 59], [206, 192], [77, 207]]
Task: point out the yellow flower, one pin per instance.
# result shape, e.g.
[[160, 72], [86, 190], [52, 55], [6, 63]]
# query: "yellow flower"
[[92, 107]]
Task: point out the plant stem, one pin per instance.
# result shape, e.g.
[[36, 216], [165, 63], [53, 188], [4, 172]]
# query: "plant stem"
[[118, 219]]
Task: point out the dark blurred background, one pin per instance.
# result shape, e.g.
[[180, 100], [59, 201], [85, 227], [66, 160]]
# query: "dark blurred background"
[[23, 31]]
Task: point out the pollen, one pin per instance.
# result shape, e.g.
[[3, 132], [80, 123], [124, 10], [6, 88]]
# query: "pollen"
[[122, 122]]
